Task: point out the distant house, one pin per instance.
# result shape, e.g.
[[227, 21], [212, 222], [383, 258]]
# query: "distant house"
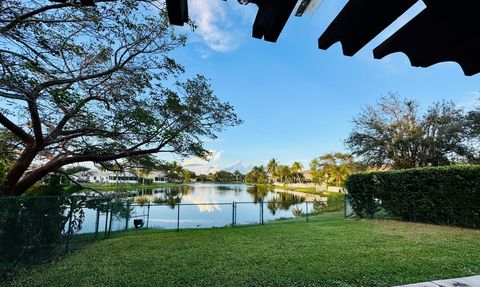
[[307, 176], [158, 177], [98, 176]]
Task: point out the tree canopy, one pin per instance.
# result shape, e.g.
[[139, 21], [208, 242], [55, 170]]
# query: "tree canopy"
[[258, 174], [97, 84], [394, 133]]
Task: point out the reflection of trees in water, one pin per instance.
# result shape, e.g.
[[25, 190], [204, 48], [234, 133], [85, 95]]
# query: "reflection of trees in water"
[[283, 201], [223, 189], [258, 193], [171, 195], [144, 191]]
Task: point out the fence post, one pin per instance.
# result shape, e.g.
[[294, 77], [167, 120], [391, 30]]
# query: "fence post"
[[345, 201], [110, 225], [306, 209], [233, 214], [261, 212], [178, 217], [148, 213], [69, 227], [97, 222], [128, 215], [106, 220]]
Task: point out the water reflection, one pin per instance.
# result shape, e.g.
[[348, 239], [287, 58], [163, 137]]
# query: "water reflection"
[[205, 196], [208, 205], [283, 201], [171, 196]]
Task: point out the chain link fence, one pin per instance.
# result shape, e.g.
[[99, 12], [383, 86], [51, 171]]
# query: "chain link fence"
[[415, 207], [35, 230]]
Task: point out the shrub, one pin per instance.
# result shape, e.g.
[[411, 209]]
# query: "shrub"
[[439, 195], [34, 229]]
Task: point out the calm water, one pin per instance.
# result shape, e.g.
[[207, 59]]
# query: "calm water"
[[210, 205]]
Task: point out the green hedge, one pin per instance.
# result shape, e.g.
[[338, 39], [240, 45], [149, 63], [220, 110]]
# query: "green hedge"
[[439, 195]]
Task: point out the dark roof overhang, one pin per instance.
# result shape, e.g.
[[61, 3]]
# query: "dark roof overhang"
[[443, 31], [360, 21]]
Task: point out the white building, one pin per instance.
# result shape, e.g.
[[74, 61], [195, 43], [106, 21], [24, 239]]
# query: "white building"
[[97, 176], [158, 177]]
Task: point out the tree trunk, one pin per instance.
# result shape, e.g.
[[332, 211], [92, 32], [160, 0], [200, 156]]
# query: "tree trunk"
[[33, 177], [8, 187]]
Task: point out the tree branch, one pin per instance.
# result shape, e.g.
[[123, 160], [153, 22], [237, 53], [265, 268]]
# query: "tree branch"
[[18, 131], [32, 13], [36, 123]]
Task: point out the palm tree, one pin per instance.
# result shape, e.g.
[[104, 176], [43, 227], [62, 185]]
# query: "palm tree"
[[272, 168], [238, 175], [283, 173], [315, 170], [336, 166], [296, 169]]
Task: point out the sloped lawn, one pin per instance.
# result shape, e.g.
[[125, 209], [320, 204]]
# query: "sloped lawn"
[[327, 251]]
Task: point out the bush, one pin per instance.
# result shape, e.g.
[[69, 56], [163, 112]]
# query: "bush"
[[34, 229], [439, 195]]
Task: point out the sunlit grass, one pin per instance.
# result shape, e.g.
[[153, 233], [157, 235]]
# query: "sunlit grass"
[[327, 251]]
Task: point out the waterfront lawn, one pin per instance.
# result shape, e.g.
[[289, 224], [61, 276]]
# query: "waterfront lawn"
[[327, 251], [311, 190]]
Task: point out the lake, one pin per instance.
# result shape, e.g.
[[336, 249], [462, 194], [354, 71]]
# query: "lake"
[[212, 205]]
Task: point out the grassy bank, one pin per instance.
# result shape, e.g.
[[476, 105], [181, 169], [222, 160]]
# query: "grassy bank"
[[335, 199], [310, 190], [127, 186], [334, 196], [327, 251]]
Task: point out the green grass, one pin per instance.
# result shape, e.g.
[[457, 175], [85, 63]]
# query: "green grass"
[[310, 190], [327, 251], [127, 186]]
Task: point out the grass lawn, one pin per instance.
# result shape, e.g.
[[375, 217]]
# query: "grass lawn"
[[327, 251], [311, 190]]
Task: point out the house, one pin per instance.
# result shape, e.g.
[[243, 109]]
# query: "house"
[[307, 176], [158, 177], [99, 176]]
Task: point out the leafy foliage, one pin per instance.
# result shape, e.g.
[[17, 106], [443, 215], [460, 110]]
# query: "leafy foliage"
[[394, 134], [258, 174], [98, 84], [34, 229], [440, 195], [333, 168]]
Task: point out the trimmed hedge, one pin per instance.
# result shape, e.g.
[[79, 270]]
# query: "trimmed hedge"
[[439, 195]]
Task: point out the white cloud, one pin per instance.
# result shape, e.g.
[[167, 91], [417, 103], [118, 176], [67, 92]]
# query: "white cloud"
[[202, 204], [216, 155], [238, 165], [202, 166], [214, 27]]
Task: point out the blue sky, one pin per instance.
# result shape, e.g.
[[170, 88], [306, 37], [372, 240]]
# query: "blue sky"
[[297, 101]]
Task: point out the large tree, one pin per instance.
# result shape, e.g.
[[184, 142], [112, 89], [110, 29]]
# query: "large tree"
[[257, 174], [97, 84], [335, 167], [394, 133]]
